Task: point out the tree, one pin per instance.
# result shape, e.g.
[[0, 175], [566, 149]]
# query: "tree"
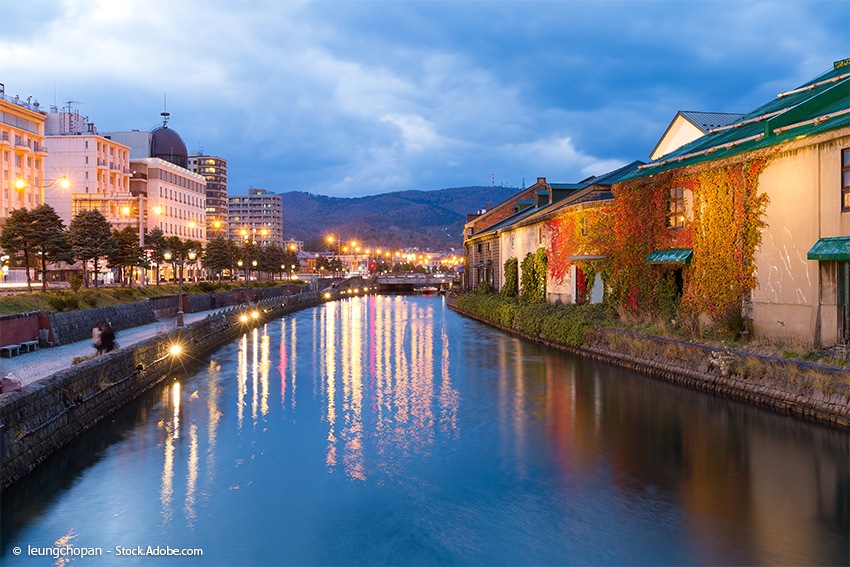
[[289, 259], [235, 254], [178, 252], [271, 258], [17, 236], [125, 252], [250, 252], [197, 247], [155, 242], [49, 241], [219, 256], [89, 235], [322, 264]]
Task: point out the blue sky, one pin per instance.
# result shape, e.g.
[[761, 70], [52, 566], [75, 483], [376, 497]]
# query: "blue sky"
[[354, 98]]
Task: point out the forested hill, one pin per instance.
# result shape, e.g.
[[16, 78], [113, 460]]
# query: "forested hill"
[[427, 219]]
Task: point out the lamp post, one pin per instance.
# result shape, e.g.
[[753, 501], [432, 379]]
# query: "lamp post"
[[64, 183], [192, 254], [240, 263]]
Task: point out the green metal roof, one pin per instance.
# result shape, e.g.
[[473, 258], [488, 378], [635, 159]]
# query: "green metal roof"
[[671, 256], [819, 106], [836, 248]]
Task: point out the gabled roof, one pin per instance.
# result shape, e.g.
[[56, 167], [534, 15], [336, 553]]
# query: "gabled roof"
[[571, 189], [821, 105], [707, 121]]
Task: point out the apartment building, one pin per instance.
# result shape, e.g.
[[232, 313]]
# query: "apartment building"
[[257, 217], [214, 171], [22, 153]]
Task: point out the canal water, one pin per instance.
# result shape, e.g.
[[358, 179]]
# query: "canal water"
[[390, 430]]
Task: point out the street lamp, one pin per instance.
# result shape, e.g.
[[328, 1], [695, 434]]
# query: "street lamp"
[[64, 183], [192, 254]]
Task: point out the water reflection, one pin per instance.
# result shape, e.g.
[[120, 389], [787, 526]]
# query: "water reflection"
[[425, 438]]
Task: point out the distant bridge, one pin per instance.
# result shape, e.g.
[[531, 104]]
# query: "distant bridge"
[[397, 282], [413, 282]]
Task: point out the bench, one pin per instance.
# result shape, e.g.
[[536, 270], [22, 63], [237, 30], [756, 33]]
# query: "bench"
[[29, 346], [9, 351]]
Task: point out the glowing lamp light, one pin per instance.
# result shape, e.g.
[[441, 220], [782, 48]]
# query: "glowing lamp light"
[[255, 314], [327, 295], [175, 350], [244, 318]]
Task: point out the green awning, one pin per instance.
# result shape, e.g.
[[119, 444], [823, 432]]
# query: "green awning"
[[671, 256], [836, 248]]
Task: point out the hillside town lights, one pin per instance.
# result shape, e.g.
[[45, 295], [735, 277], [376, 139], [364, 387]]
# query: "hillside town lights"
[[64, 183]]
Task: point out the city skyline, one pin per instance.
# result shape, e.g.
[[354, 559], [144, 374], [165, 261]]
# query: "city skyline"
[[351, 99]]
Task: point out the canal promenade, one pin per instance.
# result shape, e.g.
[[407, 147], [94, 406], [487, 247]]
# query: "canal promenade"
[[28, 368]]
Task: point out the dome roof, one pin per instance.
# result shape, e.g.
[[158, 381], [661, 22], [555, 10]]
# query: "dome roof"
[[168, 145]]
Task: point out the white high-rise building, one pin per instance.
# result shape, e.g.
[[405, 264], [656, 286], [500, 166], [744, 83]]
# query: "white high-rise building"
[[256, 217]]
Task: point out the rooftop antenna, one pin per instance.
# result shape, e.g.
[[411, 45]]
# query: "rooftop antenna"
[[165, 114], [70, 120]]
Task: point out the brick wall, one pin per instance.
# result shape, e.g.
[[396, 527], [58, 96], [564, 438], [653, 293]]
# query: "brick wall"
[[14, 329]]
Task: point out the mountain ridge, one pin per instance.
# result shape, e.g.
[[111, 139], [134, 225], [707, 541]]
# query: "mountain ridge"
[[425, 219]]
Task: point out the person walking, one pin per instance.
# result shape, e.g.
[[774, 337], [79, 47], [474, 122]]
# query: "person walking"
[[107, 337], [97, 338]]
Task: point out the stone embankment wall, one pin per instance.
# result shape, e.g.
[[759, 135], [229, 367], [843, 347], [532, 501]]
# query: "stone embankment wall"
[[807, 389], [45, 415], [72, 326]]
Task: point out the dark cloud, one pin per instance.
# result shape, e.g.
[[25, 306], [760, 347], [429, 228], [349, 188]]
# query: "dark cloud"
[[352, 98]]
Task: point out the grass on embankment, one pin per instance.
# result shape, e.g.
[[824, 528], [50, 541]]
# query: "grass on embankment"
[[564, 324], [571, 325], [85, 298]]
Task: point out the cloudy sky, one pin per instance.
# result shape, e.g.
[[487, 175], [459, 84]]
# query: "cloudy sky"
[[353, 98]]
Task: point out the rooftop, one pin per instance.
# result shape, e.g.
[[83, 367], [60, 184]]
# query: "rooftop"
[[821, 105]]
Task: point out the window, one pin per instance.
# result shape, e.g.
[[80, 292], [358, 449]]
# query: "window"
[[676, 207], [583, 225], [845, 180]]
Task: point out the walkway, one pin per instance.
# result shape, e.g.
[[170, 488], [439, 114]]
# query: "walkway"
[[31, 367]]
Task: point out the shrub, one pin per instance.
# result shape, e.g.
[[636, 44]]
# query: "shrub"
[[570, 324], [63, 301], [76, 282], [511, 286], [89, 297]]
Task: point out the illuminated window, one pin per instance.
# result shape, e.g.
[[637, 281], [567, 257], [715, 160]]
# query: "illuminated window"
[[845, 180], [676, 207]]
